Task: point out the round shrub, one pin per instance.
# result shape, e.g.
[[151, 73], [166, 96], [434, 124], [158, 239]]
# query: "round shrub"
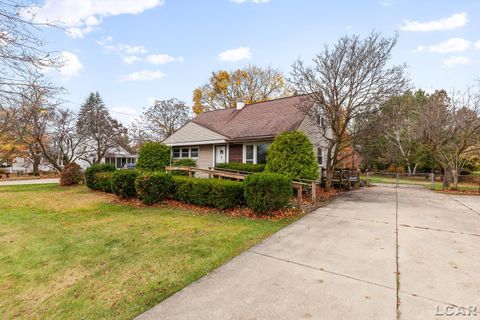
[[153, 156], [71, 175], [123, 183], [266, 192], [153, 187], [103, 181], [291, 154], [96, 168]]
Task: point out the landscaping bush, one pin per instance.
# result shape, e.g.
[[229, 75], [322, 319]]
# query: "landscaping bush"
[[153, 187], [266, 192], [216, 193], [187, 162], [245, 167], [96, 168], [395, 169], [103, 181], [123, 183], [153, 156], [291, 154], [71, 175]]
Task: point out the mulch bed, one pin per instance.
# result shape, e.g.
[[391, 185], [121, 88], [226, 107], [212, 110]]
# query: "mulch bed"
[[323, 197], [461, 192], [233, 212]]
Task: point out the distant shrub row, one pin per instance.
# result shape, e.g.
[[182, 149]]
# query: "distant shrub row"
[[243, 167], [263, 192]]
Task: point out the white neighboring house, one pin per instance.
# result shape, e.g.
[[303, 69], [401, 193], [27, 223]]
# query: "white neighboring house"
[[117, 156]]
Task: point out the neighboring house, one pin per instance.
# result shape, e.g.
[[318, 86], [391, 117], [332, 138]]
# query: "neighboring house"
[[243, 134], [117, 156]]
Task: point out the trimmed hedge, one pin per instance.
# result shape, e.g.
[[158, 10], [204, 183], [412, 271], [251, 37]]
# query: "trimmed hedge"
[[153, 187], [246, 167], [96, 168], [103, 181], [216, 193], [71, 175], [266, 192], [123, 183], [153, 156], [184, 162]]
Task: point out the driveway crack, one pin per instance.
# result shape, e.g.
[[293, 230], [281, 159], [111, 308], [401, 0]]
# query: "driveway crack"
[[397, 282]]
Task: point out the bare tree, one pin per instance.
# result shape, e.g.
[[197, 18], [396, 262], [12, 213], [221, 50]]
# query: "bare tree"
[[451, 131], [30, 115], [22, 52], [160, 120], [348, 83], [101, 131]]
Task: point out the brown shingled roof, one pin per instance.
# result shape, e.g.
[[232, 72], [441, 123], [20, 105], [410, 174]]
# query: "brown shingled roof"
[[263, 119]]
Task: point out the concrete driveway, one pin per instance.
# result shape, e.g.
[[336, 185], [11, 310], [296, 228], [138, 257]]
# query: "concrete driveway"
[[347, 261], [30, 181]]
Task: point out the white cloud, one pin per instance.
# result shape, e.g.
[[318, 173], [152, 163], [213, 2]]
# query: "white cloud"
[[450, 62], [143, 75], [385, 3], [131, 59], [477, 45], [80, 17], [162, 58], [451, 45], [241, 53], [252, 1], [452, 22]]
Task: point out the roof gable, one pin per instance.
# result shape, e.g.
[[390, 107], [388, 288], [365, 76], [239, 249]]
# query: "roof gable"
[[268, 118], [193, 134]]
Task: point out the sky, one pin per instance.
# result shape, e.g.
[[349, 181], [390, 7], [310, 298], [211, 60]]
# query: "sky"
[[135, 51]]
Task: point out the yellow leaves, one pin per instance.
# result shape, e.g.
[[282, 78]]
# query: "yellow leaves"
[[251, 84]]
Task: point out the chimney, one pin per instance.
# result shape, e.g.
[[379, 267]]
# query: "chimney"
[[240, 105]]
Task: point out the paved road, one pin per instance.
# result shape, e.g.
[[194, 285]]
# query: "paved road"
[[32, 181], [347, 261]]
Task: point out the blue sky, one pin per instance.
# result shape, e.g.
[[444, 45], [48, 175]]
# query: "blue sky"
[[133, 51]]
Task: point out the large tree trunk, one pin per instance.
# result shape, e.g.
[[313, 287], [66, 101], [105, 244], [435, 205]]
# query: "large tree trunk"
[[35, 164], [455, 174]]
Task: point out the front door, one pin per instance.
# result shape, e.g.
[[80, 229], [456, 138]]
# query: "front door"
[[220, 154]]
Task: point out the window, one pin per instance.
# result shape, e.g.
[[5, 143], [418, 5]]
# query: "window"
[[250, 153], [320, 156], [262, 153], [194, 152], [176, 152], [185, 152], [320, 120], [255, 153]]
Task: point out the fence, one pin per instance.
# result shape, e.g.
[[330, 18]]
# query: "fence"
[[432, 181]]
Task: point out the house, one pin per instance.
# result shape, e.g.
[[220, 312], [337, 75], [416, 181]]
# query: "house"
[[243, 134], [115, 155]]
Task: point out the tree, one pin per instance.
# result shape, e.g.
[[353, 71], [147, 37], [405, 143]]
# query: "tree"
[[347, 84], [251, 84], [451, 131], [153, 156], [291, 154], [22, 53], [399, 124], [101, 131], [161, 120], [30, 116]]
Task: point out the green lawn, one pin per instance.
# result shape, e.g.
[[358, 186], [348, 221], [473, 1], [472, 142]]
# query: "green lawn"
[[69, 253], [418, 180]]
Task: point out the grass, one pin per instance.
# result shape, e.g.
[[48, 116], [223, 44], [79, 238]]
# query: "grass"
[[69, 253], [418, 180]]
